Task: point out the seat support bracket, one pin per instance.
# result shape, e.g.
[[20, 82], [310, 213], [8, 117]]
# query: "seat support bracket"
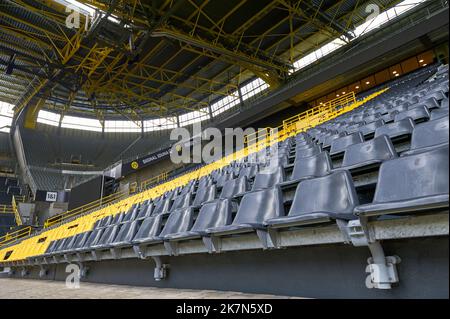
[[213, 244], [382, 269], [43, 271], [268, 238]]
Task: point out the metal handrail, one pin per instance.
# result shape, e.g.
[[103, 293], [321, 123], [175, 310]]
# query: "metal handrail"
[[10, 237], [15, 209], [101, 202], [6, 209]]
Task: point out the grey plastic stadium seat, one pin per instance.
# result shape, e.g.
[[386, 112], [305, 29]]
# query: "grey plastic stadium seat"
[[59, 246], [249, 171], [51, 247], [429, 135], [320, 200], [107, 237], [254, 209], [370, 128], [438, 95], [339, 145], [439, 113], [212, 214], [310, 167], [389, 117], [204, 194], [368, 153], [412, 183], [205, 182], [303, 146], [145, 211], [418, 114], [353, 128], [310, 151], [269, 177], [223, 179], [125, 235], [117, 219], [444, 104], [331, 138], [93, 239], [162, 207], [69, 244], [372, 118], [430, 103], [179, 221], [81, 240], [181, 201], [130, 215], [149, 230], [104, 222], [397, 129], [234, 187]]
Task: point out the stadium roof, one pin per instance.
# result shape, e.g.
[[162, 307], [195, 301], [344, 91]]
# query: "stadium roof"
[[143, 60]]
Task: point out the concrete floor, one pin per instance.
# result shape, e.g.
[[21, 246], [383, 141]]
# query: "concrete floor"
[[40, 289]]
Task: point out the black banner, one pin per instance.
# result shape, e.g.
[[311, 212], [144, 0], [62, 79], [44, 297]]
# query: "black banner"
[[133, 166]]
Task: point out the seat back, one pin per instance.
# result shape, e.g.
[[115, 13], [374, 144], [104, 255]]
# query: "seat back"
[[150, 227], [105, 221], [127, 232], [71, 242], [94, 237], [379, 149], [396, 129], [108, 235], [430, 133], [334, 193], [222, 179], [371, 127], [51, 246], [249, 171], [413, 176], [258, 206], [310, 151], [214, 214], [145, 211], [179, 221], [331, 138], [181, 201], [205, 194], [269, 178], [312, 166], [419, 113], [235, 186], [340, 144], [162, 207], [117, 219], [130, 215], [81, 240]]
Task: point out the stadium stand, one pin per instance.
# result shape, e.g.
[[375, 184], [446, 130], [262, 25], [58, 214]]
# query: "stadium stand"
[[115, 153], [228, 199]]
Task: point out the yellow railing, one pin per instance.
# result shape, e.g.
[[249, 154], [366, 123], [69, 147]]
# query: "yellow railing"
[[318, 114], [6, 209], [10, 237], [154, 180], [15, 209], [102, 202]]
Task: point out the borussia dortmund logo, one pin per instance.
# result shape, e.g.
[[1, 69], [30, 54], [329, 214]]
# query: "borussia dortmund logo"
[[134, 165]]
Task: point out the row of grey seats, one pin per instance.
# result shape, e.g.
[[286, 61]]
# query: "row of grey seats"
[[317, 200]]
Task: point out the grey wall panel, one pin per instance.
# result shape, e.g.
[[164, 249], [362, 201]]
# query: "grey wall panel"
[[332, 271]]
